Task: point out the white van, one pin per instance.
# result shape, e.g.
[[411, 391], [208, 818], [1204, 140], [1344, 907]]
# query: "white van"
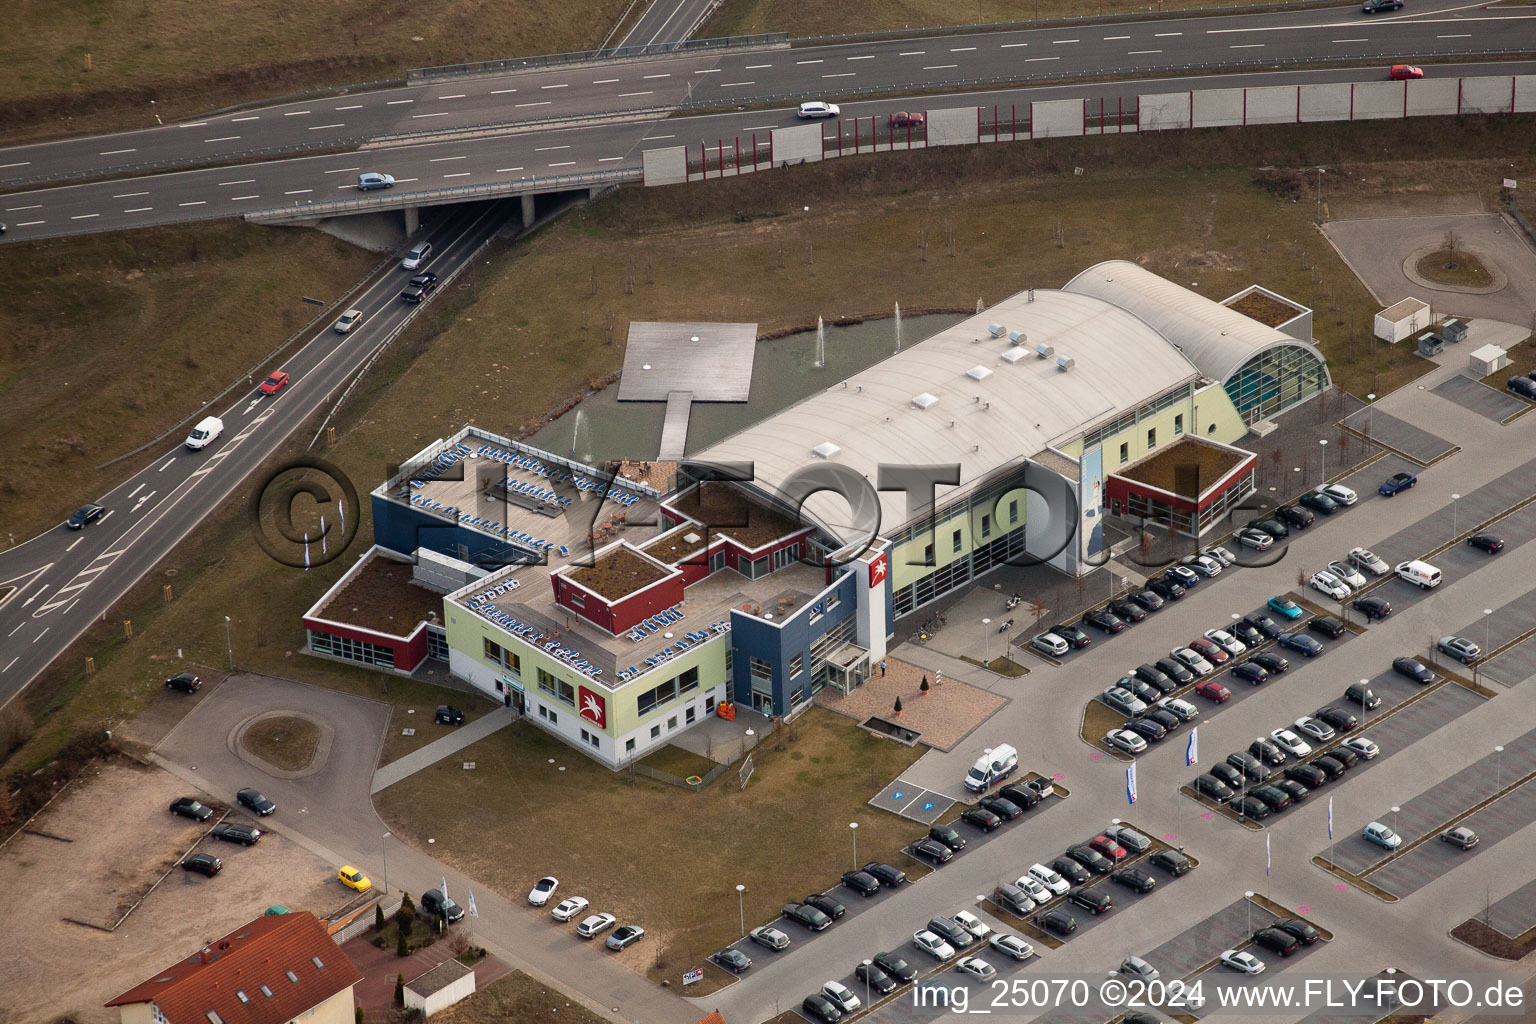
[[205, 433], [991, 768], [1419, 573]]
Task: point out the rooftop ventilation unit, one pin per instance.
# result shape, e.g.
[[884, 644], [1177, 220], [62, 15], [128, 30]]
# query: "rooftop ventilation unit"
[[691, 538], [1017, 337], [978, 373], [997, 330], [1044, 351], [826, 449], [1013, 355], [924, 400], [1065, 362]]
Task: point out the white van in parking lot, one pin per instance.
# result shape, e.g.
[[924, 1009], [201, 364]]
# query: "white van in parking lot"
[[1419, 573], [991, 768], [205, 433]]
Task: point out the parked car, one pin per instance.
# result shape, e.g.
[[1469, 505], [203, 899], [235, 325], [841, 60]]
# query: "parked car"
[[186, 682], [1399, 482], [891, 963], [1014, 899], [1521, 386], [809, 917], [1365, 748], [592, 927], [542, 890], [1339, 493], [979, 817], [1011, 946], [1001, 806], [1214, 691], [353, 879], [203, 864], [1228, 774], [1302, 643], [888, 876], [1219, 553], [1104, 619], [1329, 765], [1171, 861], [1361, 696], [1126, 740], [1250, 673], [1264, 624], [237, 832], [1049, 644], [1276, 940], [1094, 900], [1460, 648], [569, 908], [1328, 583], [436, 903], [932, 944], [1368, 560], [1351, 576], [1071, 870], [1179, 708], [190, 807], [769, 938], [1413, 669], [1381, 835], [624, 936], [1203, 565], [862, 882], [1291, 743], [1327, 625], [733, 960], [1272, 526], [930, 850], [1109, 848], [946, 834], [1248, 634], [1460, 837], [1342, 754], [1193, 661], [1274, 797], [1272, 662], [1296, 790], [1226, 641], [1253, 537], [1317, 501], [1123, 701], [1209, 785], [253, 800], [1250, 807], [1148, 599], [1242, 961], [1136, 967], [1308, 775], [1267, 751], [877, 980], [1050, 878], [1341, 720], [1248, 765], [1294, 516], [1164, 718], [1021, 793], [1315, 730], [1166, 589], [1058, 921], [1372, 607], [447, 714], [1129, 838], [841, 996], [1146, 729], [1210, 650], [1091, 859], [1072, 635], [978, 928], [1033, 888], [1285, 606], [1134, 879], [1128, 610], [1304, 933], [1485, 542], [1175, 670]]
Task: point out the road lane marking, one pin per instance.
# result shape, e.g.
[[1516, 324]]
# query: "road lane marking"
[[114, 152], [666, 75], [354, 106], [756, 67], [10, 663], [1245, 46], [341, 170], [961, 49], [223, 138], [452, 96], [136, 490], [22, 163], [460, 174], [440, 113], [402, 181], [440, 159], [646, 93], [498, 92], [709, 71], [1059, 42], [732, 85], [939, 67], [42, 634], [39, 206], [844, 74], [319, 127], [30, 223], [911, 53], [242, 181], [129, 195], [253, 117], [1013, 46], [165, 467], [1135, 53], [541, 103], [749, 128], [396, 103], [200, 202], [608, 159], [546, 149], [298, 192], [1461, 35], [562, 85], [295, 113], [1168, 33], [567, 163], [139, 209], [1361, 40], [84, 216], [22, 623], [236, 199], [507, 170], [1031, 60], [872, 56], [71, 547], [606, 81]]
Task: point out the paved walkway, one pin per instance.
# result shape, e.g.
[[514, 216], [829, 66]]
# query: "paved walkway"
[[435, 751], [943, 716]]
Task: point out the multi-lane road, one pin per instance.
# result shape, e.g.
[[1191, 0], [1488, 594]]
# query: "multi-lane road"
[[55, 585]]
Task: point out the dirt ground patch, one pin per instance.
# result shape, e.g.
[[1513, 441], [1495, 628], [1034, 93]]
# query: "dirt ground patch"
[[285, 741], [518, 999], [508, 823], [123, 838]]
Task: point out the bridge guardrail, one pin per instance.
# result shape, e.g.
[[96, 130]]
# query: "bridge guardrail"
[[493, 190]]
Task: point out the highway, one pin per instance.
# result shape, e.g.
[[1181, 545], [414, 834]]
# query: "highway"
[[775, 75], [666, 22], [58, 583]]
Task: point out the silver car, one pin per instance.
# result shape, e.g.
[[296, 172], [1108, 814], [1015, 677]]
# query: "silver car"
[[1369, 561], [1050, 644], [816, 108]]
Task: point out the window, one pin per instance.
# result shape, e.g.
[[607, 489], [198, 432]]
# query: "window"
[[291, 977], [688, 681], [709, 704], [760, 669], [796, 697], [514, 663], [585, 736], [629, 746], [593, 740], [954, 542], [547, 682], [833, 600], [266, 992], [577, 599], [317, 962], [1178, 424], [689, 714], [567, 694], [986, 525], [671, 723], [796, 666], [543, 711], [1151, 437], [1013, 511], [655, 731], [652, 699], [730, 660], [1125, 453], [493, 652], [554, 719], [928, 554], [213, 1015], [240, 995], [351, 650]]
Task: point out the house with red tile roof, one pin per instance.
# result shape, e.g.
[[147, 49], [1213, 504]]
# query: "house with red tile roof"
[[274, 970]]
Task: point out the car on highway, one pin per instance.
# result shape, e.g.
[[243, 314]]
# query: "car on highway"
[[769, 938], [436, 903], [1291, 743], [908, 119], [592, 927], [817, 108], [370, 180], [275, 382], [733, 960], [1301, 643], [1011, 946], [205, 433], [190, 807], [203, 864], [1381, 835], [932, 944], [542, 890], [255, 800], [1104, 620], [1366, 748], [236, 832], [1399, 73], [1372, 607], [1377, 6], [1365, 558], [892, 963], [1241, 961], [353, 879], [809, 917], [1460, 837], [1460, 648], [348, 320], [624, 936], [877, 980], [1399, 482], [419, 288], [416, 256], [1283, 605], [1327, 583], [930, 850], [85, 515], [1049, 644], [979, 817], [186, 682]]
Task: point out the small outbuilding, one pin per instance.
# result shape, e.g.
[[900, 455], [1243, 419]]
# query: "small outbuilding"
[[441, 987], [1402, 320], [1486, 360], [1454, 331]]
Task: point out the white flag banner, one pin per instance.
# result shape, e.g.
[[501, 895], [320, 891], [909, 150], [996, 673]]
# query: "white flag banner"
[[472, 911], [1192, 752]]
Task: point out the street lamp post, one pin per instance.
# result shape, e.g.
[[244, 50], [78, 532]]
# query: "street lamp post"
[[1498, 770], [986, 637], [1248, 899], [229, 643], [1487, 629], [384, 849], [853, 828], [1320, 195], [741, 908], [1454, 499], [1363, 692], [1323, 443], [1394, 829], [867, 965]]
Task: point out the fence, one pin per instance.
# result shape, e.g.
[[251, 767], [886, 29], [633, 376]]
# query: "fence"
[[491, 67], [358, 920]]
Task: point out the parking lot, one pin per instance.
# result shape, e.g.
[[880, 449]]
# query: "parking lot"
[[95, 851], [1385, 429], [1472, 394], [1515, 914]]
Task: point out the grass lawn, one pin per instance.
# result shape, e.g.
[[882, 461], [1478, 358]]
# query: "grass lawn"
[[1458, 269], [517, 999], [659, 855], [99, 64], [408, 715], [1522, 360], [1098, 719], [677, 761], [286, 741], [1003, 666]]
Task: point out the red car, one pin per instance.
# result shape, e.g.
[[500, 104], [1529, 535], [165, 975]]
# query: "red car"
[[1213, 690], [1403, 71], [1108, 847], [275, 383], [1208, 650], [902, 119]]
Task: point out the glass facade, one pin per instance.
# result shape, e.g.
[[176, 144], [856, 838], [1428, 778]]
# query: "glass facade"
[[1276, 379], [1155, 511], [960, 572], [351, 650]]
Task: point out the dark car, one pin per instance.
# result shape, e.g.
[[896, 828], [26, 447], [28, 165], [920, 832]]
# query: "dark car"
[[1092, 899], [1104, 619], [733, 960], [1308, 775], [1521, 386], [1276, 941], [875, 978], [1377, 6], [1134, 879], [1327, 625], [1274, 527], [1373, 607], [819, 1007], [1329, 766], [203, 864], [888, 876], [826, 904], [931, 850], [1001, 806], [1340, 719], [1146, 729], [1277, 798], [1250, 673], [1228, 774], [948, 835], [814, 919], [1248, 633], [896, 967], [951, 931], [1264, 624], [1074, 636], [1147, 692], [253, 800], [1091, 859], [1163, 717], [188, 807], [1128, 610], [1270, 661], [1303, 932], [1396, 483], [1248, 765], [1166, 589], [1071, 870], [1297, 791], [1267, 752], [1154, 676], [1348, 758], [861, 882], [235, 832], [1058, 921], [1013, 899], [1250, 807], [1171, 861], [1413, 669], [436, 903], [186, 682], [1363, 696], [1020, 794], [1175, 670], [420, 287], [84, 516], [447, 714], [981, 818], [1216, 789], [1482, 541], [1318, 502], [1151, 600], [1308, 647]]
